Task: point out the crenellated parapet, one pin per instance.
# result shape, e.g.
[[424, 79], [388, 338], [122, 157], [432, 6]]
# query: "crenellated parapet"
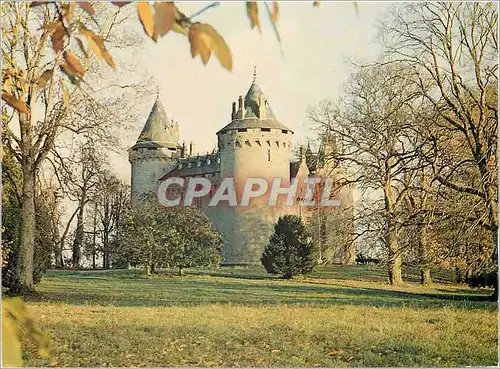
[[150, 155]]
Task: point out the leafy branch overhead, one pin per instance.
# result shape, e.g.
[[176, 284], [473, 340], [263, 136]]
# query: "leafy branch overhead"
[[157, 19]]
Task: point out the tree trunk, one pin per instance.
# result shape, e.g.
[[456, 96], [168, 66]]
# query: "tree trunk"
[[349, 254], [148, 269], [425, 270], [395, 262], [105, 249], [77, 242], [180, 272], [94, 235], [24, 267], [425, 275]]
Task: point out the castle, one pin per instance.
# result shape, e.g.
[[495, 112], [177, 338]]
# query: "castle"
[[254, 144]]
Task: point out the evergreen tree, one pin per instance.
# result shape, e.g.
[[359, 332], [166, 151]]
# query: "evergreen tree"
[[290, 250]]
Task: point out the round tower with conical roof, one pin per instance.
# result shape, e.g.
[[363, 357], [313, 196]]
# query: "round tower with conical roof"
[[154, 153], [253, 145]]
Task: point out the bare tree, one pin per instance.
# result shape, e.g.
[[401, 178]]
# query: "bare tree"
[[452, 48], [374, 125]]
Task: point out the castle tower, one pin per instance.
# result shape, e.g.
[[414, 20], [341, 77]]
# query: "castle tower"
[[253, 145], [154, 152]]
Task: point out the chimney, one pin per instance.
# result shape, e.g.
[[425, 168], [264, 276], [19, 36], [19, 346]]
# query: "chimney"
[[241, 107], [262, 107], [191, 148], [233, 112], [301, 153]]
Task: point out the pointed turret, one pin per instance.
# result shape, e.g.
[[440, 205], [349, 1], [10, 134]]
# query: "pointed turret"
[[253, 111], [158, 131]]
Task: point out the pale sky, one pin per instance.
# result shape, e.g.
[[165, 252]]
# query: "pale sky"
[[317, 46]]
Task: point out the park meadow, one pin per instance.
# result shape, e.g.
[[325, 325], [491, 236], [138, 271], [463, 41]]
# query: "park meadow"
[[240, 317]]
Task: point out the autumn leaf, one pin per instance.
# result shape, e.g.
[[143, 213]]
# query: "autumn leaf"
[[74, 64], [87, 6], [164, 18], [42, 80], [81, 46], [58, 35], [96, 45], [274, 15], [65, 92], [120, 3], [17, 104], [220, 48], [146, 17], [200, 42], [36, 3], [204, 39], [253, 13], [317, 4], [69, 73], [68, 9], [12, 354]]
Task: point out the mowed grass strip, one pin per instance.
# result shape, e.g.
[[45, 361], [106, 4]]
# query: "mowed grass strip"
[[240, 317]]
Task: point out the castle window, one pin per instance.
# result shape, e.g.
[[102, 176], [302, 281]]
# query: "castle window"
[[265, 129], [172, 149], [242, 130], [284, 131], [247, 143], [268, 155]]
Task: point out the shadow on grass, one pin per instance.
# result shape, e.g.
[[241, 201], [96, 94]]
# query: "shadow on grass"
[[128, 288]]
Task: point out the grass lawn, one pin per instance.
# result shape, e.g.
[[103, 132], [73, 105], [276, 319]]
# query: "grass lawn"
[[339, 316]]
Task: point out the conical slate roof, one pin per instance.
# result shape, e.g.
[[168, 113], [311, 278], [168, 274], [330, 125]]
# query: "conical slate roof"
[[155, 132], [252, 118], [252, 100]]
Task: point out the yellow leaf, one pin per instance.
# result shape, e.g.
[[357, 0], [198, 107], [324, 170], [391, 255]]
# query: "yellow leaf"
[[274, 15], [120, 3], [204, 39], [201, 43], [146, 17], [82, 47], [17, 104], [87, 6], [58, 35], [11, 344], [14, 316], [220, 48], [68, 9], [65, 92], [96, 44], [36, 3], [164, 18], [42, 80], [317, 3], [69, 73], [253, 13], [74, 64]]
